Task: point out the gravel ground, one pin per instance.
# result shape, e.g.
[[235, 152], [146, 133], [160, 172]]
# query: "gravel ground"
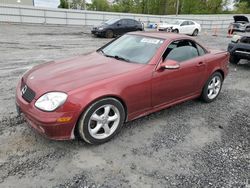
[[192, 144]]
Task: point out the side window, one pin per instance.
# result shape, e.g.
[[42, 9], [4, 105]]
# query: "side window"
[[191, 23], [184, 23], [131, 22], [118, 23], [124, 22], [200, 50], [181, 51]]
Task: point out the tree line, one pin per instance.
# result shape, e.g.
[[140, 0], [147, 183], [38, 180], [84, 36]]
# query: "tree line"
[[160, 7]]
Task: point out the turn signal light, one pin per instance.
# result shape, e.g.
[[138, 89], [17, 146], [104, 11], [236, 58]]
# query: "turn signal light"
[[63, 119]]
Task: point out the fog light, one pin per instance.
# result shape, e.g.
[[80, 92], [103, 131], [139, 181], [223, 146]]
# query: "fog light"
[[63, 119]]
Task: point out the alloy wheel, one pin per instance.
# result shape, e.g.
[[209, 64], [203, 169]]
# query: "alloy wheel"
[[214, 87], [104, 121]]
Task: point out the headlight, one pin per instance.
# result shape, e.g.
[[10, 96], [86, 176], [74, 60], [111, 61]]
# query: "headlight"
[[100, 28], [51, 101]]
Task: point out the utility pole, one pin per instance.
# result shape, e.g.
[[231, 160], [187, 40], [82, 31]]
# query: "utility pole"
[[177, 7], [84, 4]]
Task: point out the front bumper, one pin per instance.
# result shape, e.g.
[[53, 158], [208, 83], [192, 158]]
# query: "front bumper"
[[97, 32], [167, 29], [46, 123]]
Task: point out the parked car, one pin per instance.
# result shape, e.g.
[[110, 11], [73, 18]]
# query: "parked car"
[[180, 26], [240, 24], [152, 25], [239, 48], [116, 27], [134, 75]]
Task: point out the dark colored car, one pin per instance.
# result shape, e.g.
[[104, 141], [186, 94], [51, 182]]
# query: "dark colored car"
[[116, 27], [241, 24], [239, 48], [136, 74]]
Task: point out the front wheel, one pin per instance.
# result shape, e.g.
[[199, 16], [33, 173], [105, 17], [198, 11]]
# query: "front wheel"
[[212, 87], [109, 34], [101, 121]]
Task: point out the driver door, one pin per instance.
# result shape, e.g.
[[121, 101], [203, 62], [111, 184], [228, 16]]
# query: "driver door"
[[172, 85], [122, 27], [184, 27]]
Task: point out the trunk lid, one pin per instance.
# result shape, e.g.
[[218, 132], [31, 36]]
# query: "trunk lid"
[[241, 19]]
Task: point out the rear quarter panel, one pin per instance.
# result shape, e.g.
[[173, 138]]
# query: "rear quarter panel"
[[217, 61]]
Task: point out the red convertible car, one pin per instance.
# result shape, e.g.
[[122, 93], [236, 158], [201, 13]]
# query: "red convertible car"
[[134, 75]]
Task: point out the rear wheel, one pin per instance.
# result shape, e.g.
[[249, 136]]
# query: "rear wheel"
[[109, 34], [101, 121], [233, 59], [212, 87], [195, 33]]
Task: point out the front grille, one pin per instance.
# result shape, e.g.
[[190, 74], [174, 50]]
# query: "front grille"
[[27, 93]]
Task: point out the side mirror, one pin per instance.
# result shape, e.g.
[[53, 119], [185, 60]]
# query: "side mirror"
[[170, 64], [118, 24]]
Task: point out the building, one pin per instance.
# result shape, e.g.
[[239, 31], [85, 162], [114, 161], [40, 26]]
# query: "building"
[[18, 2]]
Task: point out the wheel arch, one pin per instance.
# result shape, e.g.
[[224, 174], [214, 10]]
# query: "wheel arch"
[[211, 73], [83, 110], [221, 72], [110, 29]]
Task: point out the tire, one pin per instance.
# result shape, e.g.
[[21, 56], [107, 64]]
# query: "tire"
[[195, 33], [109, 34], [101, 121], [175, 31], [233, 59], [212, 87]]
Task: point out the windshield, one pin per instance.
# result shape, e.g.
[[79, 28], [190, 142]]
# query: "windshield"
[[133, 48], [111, 21]]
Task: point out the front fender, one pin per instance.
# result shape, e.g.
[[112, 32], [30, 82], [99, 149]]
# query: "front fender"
[[85, 98]]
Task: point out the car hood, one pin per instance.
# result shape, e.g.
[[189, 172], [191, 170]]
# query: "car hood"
[[67, 75], [101, 25], [240, 19]]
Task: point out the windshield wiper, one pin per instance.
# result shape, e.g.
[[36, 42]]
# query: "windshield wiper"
[[121, 58], [115, 56]]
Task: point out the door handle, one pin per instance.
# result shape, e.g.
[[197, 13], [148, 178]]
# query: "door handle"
[[200, 64]]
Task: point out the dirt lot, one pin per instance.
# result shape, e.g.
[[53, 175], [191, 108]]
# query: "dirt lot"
[[190, 145]]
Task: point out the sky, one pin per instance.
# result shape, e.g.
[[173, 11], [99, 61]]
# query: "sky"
[[49, 3]]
